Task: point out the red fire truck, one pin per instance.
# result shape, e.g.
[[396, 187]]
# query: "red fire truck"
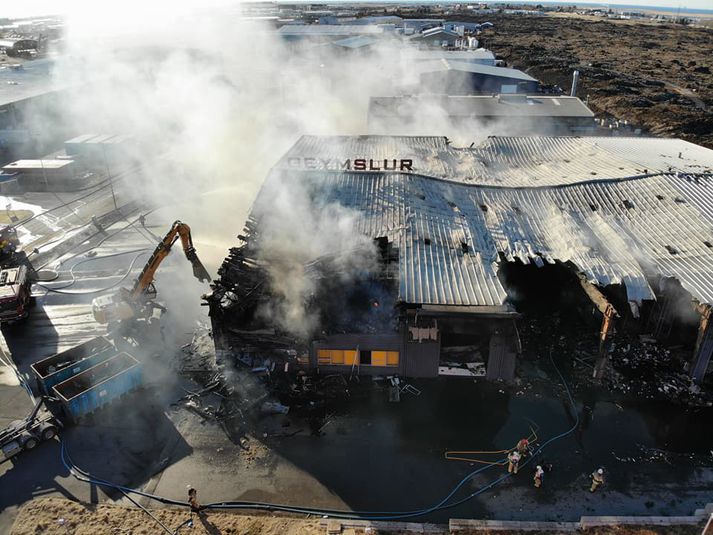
[[15, 293], [15, 280]]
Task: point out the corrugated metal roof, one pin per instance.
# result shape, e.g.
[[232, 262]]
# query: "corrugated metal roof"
[[479, 55], [475, 68], [435, 31], [479, 106], [31, 79], [615, 228], [516, 161], [357, 41], [328, 29]]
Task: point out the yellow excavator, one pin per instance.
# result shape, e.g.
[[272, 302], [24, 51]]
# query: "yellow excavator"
[[138, 302]]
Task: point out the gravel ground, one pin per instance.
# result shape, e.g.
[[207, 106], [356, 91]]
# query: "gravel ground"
[[51, 516], [658, 77]]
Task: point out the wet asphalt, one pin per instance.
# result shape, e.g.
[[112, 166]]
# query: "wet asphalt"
[[373, 455]]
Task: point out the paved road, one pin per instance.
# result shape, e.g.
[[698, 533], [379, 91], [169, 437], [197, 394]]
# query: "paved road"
[[131, 441]]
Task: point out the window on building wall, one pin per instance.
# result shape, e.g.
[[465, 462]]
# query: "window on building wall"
[[378, 358], [349, 357], [324, 357], [337, 356], [330, 356], [365, 357]]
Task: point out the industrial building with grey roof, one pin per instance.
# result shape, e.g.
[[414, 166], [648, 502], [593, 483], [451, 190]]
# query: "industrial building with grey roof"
[[517, 114], [626, 213]]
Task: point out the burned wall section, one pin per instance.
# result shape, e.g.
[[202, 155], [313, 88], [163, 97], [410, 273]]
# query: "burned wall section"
[[304, 274]]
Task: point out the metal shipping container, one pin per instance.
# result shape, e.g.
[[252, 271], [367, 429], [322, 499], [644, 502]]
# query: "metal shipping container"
[[93, 388], [63, 365]]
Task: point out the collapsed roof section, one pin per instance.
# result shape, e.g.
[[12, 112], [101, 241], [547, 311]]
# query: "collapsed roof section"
[[622, 210]]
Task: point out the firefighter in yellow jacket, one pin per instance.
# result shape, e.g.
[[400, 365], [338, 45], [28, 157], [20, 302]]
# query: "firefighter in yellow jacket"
[[513, 461], [539, 476], [597, 479]]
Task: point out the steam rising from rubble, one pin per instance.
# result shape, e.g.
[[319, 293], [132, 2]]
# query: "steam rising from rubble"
[[298, 229]]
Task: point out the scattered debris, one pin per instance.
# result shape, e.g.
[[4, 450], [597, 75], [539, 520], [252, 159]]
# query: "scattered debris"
[[644, 368]]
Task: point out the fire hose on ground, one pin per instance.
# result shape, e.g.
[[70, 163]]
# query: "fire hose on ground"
[[456, 455], [445, 503]]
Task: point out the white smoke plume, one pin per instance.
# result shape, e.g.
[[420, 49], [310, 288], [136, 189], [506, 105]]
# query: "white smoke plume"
[[297, 229], [214, 101]]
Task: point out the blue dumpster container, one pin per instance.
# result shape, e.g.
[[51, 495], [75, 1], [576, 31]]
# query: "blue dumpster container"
[[63, 365], [99, 385]]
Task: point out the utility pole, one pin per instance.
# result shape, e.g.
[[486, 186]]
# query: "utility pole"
[[44, 175], [108, 173]]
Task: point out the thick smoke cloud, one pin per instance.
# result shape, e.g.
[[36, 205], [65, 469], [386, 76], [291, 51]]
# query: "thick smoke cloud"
[[214, 101]]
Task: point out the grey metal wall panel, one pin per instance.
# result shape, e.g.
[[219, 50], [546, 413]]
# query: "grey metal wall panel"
[[421, 359], [501, 358]]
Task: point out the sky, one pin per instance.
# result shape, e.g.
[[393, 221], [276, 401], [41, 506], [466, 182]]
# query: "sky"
[[25, 8]]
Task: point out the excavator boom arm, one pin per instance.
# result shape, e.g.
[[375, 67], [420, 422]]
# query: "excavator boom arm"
[[178, 230]]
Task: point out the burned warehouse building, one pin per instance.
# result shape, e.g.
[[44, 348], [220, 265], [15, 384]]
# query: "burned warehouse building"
[[425, 270]]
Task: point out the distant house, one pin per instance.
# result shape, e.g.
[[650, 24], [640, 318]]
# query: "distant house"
[[414, 26], [479, 55], [437, 37], [448, 77], [18, 47]]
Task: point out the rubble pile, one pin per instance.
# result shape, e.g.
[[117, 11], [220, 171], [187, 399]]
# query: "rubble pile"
[[242, 282], [244, 305], [248, 394], [540, 335], [641, 367], [641, 360], [199, 354], [646, 454]]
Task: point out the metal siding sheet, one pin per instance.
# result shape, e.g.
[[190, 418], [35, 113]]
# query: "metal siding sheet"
[[421, 359]]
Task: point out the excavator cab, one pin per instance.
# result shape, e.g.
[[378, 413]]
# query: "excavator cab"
[[113, 308]]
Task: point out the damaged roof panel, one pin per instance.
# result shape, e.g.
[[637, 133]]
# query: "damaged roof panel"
[[508, 162], [537, 201]]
